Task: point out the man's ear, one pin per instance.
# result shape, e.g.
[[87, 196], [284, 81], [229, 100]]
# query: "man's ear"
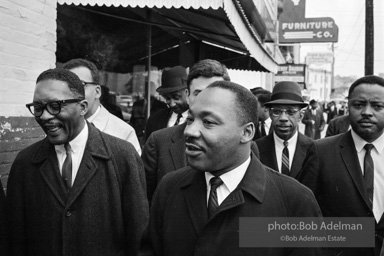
[[248, 132], [98, 91], [84, 107], [301, 114]]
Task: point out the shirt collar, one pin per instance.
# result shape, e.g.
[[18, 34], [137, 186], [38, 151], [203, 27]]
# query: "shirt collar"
[[268, 121], [77, 143], [232, 178], [292, 141], [93, 117], [360, 142]]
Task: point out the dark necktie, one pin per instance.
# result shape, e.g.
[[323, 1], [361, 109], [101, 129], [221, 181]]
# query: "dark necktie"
[[179, 116], [212, 201], [368, 171], [66, 171], [285, 159], [262, 128]]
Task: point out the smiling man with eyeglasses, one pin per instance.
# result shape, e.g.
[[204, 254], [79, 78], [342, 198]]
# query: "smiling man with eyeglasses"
[[285, 148], [78, 191]]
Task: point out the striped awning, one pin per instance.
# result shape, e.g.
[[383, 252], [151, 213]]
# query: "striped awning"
[[235, 15]]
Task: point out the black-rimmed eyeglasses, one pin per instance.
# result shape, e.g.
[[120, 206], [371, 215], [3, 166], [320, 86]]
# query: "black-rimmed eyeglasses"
[[53, 107], [279, 111]]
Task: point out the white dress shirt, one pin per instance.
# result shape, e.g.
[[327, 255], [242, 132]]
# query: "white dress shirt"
[[77, 148], [112, 125], [230, 180], [173, 118], [279, 146], [377, 155], [267, 125]]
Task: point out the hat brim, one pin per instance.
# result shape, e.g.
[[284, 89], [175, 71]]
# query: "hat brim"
[[163, 90], [285, 102]]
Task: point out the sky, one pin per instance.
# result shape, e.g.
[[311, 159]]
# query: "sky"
[[349, 15]]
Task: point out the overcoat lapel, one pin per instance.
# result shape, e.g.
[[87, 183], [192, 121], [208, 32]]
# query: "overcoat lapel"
[[178, 142], [350, 158], [300, 154], [50, 171], [95, 148], [195, 191], [268, 153]]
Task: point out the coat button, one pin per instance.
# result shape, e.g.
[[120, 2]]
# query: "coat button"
[[68, 214]]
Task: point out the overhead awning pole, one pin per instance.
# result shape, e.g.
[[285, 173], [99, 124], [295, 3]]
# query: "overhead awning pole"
[[149, 66]]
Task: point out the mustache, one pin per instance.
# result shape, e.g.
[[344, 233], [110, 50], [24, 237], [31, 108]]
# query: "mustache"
[[366, 120]]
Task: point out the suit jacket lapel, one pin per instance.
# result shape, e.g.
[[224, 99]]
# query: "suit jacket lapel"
[[95, 148], [350, 158], [300, 153], [46, 155], [268, 153], [178, 142], [195, 191]]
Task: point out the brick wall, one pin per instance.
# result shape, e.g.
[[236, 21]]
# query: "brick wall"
[[27, 47]]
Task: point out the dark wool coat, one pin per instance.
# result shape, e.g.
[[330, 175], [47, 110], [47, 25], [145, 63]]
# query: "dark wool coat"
[[164, 152], [3, 234], [157, 121], [179, 223], [338, 125], [104, 213], [332, 171]]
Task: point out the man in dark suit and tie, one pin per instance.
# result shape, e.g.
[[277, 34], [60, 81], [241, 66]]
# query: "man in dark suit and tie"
[[196, 210], [164, 150], [285, 148], [79, 191], [174, 90], [338, 125], [314, 121], [264, 127], [345, 172]]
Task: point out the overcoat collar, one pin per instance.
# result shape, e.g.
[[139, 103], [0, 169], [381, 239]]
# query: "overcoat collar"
[[195, 192], [45, 155]]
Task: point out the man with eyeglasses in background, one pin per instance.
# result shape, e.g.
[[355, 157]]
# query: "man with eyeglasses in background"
[[285, 148], [78, 191], [97, 114]]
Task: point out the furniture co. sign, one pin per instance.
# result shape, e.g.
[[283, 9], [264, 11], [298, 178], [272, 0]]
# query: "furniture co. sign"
[[295, 28]]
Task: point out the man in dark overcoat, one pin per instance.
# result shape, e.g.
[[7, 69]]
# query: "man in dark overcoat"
[[78, 191], [196, 210]]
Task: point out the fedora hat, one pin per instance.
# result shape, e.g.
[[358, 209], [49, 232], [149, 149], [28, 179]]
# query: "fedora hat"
[[173, 79], [286, 93]]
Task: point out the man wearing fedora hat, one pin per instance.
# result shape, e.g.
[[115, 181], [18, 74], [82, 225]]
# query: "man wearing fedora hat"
[[285, 148], [174, 89]]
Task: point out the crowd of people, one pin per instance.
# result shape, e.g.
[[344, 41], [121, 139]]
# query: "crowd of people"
[[216, 153]]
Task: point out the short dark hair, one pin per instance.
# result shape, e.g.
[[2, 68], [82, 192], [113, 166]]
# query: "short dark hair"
[[263, 96], [312, 102], [371, 79], [246, 102], [75, 63], [74, 83], [207, 68]]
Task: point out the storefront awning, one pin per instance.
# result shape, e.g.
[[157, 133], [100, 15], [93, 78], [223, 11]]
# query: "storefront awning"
[[217, 22]]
